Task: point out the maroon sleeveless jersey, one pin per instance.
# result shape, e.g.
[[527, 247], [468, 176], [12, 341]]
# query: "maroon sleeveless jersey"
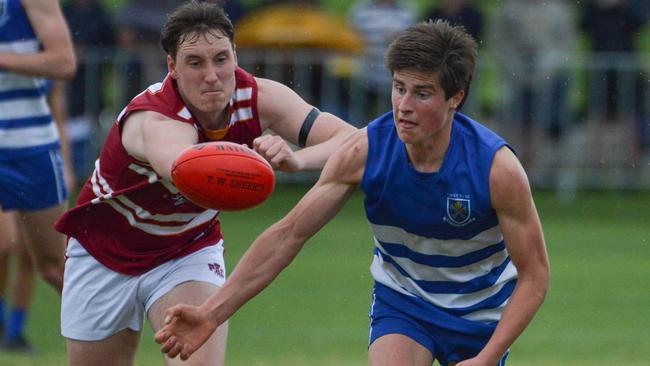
[[131, 219]]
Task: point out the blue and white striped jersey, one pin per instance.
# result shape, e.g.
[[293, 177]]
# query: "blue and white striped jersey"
[[437, 237], [26, 125]]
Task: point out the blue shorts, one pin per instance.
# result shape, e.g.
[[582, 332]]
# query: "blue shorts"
[[33, 182], [446, 345]]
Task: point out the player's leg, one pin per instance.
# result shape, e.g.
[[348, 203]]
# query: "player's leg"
[[7, 242], [101, 316], [397, 338], [45, 244], [117, 350], [22, 284], [213, 352], [189, 280], [36, 188], [396, 350]]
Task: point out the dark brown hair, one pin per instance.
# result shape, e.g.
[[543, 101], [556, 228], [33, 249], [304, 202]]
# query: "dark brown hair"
[[194, 19], [438, 48]]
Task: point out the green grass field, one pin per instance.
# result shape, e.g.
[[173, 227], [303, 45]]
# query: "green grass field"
[[596, 313]]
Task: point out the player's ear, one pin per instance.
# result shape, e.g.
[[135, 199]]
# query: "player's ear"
[[234, 53], [171, 67], [457, 99]]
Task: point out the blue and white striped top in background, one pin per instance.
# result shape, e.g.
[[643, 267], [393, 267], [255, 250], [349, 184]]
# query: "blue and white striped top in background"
[[436, 235], [26, 124]]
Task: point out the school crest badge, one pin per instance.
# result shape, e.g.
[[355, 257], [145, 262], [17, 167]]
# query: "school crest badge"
[[459, 211]]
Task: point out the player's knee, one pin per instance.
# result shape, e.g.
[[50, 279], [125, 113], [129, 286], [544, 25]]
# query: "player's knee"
[[53, 275]]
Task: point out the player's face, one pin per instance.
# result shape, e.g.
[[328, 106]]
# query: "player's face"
[[421, 110], [204, 70]]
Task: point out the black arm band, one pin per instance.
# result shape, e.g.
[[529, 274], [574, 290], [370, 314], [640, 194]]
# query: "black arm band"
[[306, 126]]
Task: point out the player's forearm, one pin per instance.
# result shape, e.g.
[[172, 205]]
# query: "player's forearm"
[[526, 299], [48, 65], [265, 259]]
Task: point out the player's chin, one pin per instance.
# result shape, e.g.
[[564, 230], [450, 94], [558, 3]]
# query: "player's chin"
[[213, 105], [407, 136]]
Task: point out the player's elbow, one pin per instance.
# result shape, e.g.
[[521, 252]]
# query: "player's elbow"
[[68, 69], [540, 279]]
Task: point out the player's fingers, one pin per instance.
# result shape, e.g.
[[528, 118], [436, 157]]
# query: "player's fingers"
[[173, 312], [161, 336], [168, 345], [262, 143], [279, 158], [175, 350], [186, 352]]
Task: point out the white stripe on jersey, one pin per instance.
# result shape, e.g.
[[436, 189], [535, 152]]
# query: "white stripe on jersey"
[[184, 113], [24, 108], [487, 315], [241, 114], [127, 208], [153, 177], [425, 272], [9, 81], [200, 219], [430, 246], [386, 274], [100, 186], [26, 47], [244, 94], [27, 137], [143, 214]]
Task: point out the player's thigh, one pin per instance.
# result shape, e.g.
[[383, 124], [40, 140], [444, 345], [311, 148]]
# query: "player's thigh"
[[116, 350], [192, 293], [9, 232], [398, 350], [43, 242]]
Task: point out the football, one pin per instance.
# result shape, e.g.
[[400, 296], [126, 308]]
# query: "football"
[[222, 175]]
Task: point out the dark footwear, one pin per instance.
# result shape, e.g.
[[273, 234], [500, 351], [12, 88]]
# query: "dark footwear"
[[17, 345]]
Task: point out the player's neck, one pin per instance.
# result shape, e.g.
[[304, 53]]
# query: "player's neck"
[[212, 122], [427, 155]]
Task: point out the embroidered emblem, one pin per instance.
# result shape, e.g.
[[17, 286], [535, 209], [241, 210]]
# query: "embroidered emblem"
[[216, 268], [459, 210]]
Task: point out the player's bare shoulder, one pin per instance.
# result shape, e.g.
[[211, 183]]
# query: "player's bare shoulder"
[[508, 180], [347, 165]]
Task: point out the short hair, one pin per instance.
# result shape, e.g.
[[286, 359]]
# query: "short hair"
[[192, 19], [439, 48]]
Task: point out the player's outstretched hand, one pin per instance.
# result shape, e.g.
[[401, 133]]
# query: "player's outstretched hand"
[[277, 152], [186, 329]]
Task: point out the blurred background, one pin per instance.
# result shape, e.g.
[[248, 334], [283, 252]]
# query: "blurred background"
[[566, 82]]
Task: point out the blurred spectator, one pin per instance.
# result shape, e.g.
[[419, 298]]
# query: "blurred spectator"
[[140, 22], [460, 12], [93, 35], [533, 41], [378, 22], [612, 27]]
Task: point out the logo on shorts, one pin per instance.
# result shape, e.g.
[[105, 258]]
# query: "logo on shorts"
[[216, 268], [459, 210]]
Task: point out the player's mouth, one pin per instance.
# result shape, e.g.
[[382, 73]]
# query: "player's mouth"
[[212, 92], [406, 124]]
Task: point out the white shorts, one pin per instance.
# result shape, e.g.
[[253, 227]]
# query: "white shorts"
[[98, 302]]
